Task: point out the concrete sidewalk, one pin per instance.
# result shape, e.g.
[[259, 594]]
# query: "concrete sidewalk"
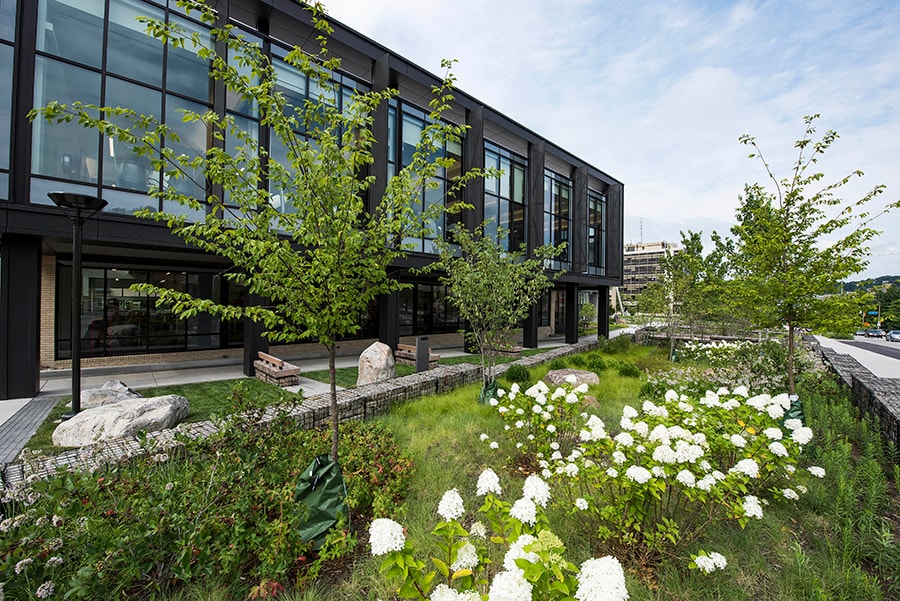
[[881, 366]]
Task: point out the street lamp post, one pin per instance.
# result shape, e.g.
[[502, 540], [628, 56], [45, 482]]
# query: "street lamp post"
[[84, 207]]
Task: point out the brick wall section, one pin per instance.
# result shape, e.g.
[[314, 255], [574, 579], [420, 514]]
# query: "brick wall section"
[[48, 309], [879, 398], [360, 403]]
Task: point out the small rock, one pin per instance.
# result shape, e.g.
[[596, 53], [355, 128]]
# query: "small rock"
[[111, 392], [376, 364], [124, 418], [557, 377]]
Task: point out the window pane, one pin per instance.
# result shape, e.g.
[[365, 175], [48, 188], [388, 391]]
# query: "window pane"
[[4, 186], [123, 168], [72, 29], [7, 19], [519, 184], [187, 73], [6, 57], [235, 102], [127, 203], [411, 134], [292, 84], [131, 51], [65, 150], [192, 143], [505, 178]]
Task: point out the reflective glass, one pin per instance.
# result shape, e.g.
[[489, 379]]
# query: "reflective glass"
[[192, 143], [187, 73], [519, 184], [41, 187], [292, 85], [4, 186], [7, 20], [122, 167], [132, 52], [65, 150], [506, 166], [127, 203], [6, 57], [410, 136], [72, 29], [235, 102], [245, 152]]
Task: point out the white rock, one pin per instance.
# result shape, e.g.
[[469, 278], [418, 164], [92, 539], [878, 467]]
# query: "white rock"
[[125, 418], [376, 364], [111, 392], [557, 377]]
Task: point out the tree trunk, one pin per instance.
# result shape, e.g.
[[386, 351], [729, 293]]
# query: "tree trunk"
[[790, 357], [335, 418]]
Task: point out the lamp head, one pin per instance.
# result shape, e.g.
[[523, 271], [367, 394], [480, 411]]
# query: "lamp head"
[[81, 202]]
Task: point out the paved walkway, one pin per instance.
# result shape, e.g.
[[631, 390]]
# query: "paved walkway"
[[881, 366]]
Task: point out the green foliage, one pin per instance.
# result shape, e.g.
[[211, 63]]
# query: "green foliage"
[[781, 265], [628, 370], [492, 287], [558, 363], [518, 373], [595, 362], [318, 256], [217, 506]]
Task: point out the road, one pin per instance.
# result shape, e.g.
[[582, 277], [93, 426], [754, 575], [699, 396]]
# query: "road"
[[876, 345]]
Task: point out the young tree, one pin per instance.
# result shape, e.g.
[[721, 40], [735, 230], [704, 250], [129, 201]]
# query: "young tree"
[[493, 288], [797, 242], [298, 231]]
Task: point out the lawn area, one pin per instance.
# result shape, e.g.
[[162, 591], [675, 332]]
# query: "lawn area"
[[834, 542]]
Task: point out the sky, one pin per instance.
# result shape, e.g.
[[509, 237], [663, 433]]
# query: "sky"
[[656, 93]]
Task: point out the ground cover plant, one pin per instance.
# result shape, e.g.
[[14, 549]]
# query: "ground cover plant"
[[836, 541]]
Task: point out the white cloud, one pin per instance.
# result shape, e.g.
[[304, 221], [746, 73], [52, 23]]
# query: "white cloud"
[[656, 93]]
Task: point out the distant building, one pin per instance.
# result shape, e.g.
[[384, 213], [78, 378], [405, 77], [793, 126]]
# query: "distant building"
[[641, 265]]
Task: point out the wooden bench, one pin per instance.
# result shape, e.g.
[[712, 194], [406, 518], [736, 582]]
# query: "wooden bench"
[[276, 371], [406, 355]]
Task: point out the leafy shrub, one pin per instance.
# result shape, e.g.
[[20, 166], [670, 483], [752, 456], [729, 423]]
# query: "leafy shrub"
[[596, 362], [628, 370], [558, 363], [221, 505], [619, 344], [577, 360], [518, 373]]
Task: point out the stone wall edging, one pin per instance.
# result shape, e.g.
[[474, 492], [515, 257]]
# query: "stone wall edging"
[[314, 412], [879, 398]]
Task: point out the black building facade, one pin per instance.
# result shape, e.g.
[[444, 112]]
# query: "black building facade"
[[94, 51]]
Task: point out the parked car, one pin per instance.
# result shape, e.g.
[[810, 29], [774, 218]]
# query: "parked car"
[[893, 336], [860, 332], [875, 333]]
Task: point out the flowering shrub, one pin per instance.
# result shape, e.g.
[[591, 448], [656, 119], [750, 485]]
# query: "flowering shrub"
[[543, 424], [672, 468], [221, 505], [533, 566]]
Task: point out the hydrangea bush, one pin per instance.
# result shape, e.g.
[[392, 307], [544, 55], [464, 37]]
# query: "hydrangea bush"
[[533, 564], [669, 470]]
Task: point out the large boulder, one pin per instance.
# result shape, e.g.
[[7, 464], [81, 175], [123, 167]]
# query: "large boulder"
[[111, 392], [558, 377], [125, 418], [376, 364]]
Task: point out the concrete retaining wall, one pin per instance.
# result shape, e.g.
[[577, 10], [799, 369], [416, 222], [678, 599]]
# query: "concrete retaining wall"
[[358, 403], [879, 398]]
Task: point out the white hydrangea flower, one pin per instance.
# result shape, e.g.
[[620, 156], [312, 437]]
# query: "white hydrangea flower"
[[746, 466], [752, 508], [706, 482], [571, 379], [793, 423], [612, 472], [686, 479], [624, 438], [451, 505], [581, 388], [525, 511], [488, 482], [775, 411], [477, 530], [570, 470], [802, 435], [618, 457], [790, 493], [483, 437], [517, 551], [642, 428], [551, 428], [536, 490], [493, 402], [816, 471], [778, 449], [671, 395], [637, 473], [385, 536], [773, 433], [629, 411], [581, 504], [664, 454], [466, 558], [601, 580], [738, 441], [510, 585], [658, 471], [741, 391]]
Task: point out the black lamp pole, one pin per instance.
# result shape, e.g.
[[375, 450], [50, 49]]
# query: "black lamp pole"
[[79, 203]]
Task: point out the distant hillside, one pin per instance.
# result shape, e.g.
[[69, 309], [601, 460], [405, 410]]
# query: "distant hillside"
[[882, 279]]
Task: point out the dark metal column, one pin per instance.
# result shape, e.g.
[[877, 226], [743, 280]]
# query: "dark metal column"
[[603, 312], [535, 230], [389, 319], [254, 341], [20, 310], [571, 313]]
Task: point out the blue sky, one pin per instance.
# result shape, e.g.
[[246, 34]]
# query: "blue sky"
[[657, 92]]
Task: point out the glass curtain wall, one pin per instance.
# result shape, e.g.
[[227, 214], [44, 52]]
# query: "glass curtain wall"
[[596, 232], [505, 201], [117, 321], [557, 221], [7, 37], [411, 122], [97, 52], [425, 309]]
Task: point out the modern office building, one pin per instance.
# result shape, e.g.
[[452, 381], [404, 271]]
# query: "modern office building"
[[642, 265], [94, 51]]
